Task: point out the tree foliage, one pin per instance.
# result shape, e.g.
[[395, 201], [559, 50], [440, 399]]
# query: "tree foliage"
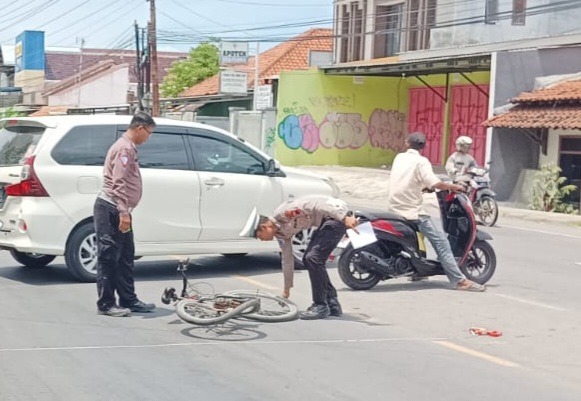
[[202, 63]]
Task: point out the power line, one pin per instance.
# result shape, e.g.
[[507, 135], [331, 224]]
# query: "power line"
[[172, 37], [30, 14], [63, 14], [287, 5], [84, 18]]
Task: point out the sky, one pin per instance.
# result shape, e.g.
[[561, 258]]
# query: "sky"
[[181, 24]]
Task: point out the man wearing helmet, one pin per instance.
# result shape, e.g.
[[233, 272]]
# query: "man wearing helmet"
[[461, 159], [410, 174]]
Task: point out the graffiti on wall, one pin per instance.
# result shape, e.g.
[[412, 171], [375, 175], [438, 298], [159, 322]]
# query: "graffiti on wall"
[[385, 129]]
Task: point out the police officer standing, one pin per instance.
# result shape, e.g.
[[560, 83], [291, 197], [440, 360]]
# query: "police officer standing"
[[121, 192], [330, 217]]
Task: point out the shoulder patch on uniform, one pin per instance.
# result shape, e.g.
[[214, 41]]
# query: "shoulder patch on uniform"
[[124, 159], [335, 203]]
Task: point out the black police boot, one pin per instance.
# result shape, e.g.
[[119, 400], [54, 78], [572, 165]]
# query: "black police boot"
[[316, 312], [335, 307]]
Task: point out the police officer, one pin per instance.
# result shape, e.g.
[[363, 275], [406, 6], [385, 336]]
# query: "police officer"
[[330, 217], [119, 195]]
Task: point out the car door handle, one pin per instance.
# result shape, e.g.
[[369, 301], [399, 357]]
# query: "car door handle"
[[214, 182]]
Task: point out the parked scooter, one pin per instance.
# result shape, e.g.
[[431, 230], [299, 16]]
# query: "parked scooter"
[[482, 196], [400, 248]]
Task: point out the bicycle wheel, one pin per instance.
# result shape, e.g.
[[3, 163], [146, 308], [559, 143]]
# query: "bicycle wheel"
[[214, 310], [272, 308]]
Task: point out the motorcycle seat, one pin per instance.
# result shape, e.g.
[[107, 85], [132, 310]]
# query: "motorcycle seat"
[[382, 215]]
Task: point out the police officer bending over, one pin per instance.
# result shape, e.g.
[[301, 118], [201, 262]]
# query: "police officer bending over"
[[330, 217]]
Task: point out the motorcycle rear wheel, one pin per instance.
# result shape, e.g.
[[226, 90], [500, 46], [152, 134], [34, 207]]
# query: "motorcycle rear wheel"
[[353, 277], [487, 210], [481, 263]]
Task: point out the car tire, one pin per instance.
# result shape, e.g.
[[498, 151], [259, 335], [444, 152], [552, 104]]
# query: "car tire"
[[81, 253], [32, 260]]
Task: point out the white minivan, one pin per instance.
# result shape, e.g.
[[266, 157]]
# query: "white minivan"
[[200, 184]]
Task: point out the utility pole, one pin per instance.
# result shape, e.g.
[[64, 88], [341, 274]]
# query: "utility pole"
[[138, 69], [256, 77], [82, 40], [153, 51]]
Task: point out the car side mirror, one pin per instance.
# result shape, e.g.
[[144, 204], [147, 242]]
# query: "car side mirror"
[[272, 167]]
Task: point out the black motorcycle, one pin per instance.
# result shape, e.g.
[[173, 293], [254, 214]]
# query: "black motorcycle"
[[482, 196], [400, 249]]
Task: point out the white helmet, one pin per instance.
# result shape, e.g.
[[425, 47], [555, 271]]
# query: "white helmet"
[[463, 143]]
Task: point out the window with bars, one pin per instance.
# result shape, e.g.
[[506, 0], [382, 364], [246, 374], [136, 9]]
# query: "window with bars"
[[519, 12], [400, 27], [352, 31], [491, 12]]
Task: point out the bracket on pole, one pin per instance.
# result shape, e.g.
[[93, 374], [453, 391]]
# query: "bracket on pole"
[[444, 97], [475, 85]]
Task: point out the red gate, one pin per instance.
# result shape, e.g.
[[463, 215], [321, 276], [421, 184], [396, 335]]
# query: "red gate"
[[469, 110], [426, 114]]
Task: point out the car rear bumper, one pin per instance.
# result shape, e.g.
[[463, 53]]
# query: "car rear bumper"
[[35, 225]]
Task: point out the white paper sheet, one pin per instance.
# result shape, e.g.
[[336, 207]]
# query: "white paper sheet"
[[365, 236]]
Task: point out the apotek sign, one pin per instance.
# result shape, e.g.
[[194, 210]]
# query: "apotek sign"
[[233, 53]]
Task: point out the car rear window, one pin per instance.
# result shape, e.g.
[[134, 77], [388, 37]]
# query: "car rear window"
[[17, 142]]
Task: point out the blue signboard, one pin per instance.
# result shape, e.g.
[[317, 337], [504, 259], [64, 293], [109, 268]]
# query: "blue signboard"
[[29, 51]]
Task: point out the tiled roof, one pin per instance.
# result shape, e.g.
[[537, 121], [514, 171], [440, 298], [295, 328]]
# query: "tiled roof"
[[50, 111], [62, 65], [523, 116], [563, 91], [556, 106], [287, 56], [101, 68]]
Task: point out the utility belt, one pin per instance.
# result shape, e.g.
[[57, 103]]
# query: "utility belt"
[[109, 199]]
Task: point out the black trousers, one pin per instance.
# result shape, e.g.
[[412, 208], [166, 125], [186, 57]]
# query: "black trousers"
[[115, 255], [324, 240]]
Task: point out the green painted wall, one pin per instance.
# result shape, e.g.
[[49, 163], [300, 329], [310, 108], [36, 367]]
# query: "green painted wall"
[[343, 120]]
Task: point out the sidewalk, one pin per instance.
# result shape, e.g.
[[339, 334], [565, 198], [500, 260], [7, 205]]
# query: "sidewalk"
[[362, 185]]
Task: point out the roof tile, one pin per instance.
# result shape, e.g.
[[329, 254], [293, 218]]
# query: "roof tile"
[[562, 91], [287, 56], [526, 116]]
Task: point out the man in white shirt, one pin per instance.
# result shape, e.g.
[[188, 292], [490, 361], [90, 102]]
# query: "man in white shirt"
[[411, 173]]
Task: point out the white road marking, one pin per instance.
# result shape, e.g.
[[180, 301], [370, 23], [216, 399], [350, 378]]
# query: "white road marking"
[[534, 230], [217, 343], [534, 303], [477, 354]]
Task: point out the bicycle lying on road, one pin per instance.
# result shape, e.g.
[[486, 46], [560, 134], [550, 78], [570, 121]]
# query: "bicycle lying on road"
[[205, 309]]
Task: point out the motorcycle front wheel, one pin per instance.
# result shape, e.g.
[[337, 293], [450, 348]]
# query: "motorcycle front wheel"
[[487, 210], [354, 276], [480, 263]]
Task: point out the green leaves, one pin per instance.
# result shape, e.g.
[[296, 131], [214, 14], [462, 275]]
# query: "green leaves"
[[202, 63], [549, 191]]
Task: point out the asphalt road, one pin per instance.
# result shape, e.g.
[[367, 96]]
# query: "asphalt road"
[[401, 341]]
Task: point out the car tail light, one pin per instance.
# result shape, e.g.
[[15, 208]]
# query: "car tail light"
[[30, 185]]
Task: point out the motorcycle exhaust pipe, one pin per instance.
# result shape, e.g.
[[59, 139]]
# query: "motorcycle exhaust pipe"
[[372, 263]]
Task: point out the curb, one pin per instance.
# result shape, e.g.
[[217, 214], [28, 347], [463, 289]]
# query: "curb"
[[538, 216], [378, 200]]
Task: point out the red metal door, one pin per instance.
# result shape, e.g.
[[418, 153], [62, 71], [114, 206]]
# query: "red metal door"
[[426, 114], [469, 110]]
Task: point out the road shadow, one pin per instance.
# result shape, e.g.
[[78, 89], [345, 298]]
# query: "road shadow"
[[204, 267], [407, 286], [230, 331], [201, 267]]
